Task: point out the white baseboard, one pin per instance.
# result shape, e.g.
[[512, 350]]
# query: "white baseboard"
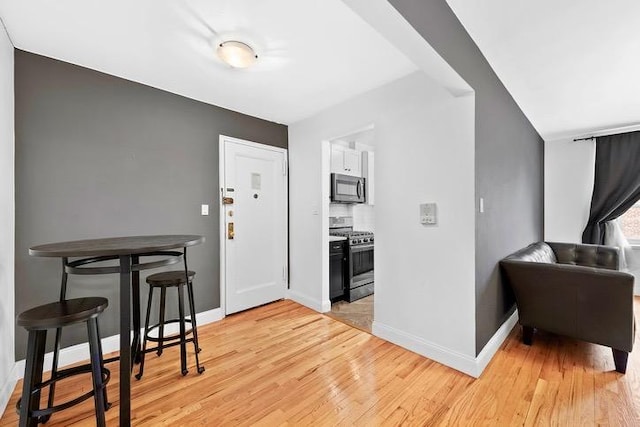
[[79, 352], [451, 358], [493, 345], [472, 366], [312, 303], [209, 316], [7, 388]]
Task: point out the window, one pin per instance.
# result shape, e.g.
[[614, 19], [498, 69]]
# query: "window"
[[630, 224]]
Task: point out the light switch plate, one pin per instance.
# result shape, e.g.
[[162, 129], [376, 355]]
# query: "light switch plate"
[[204, 210], [428, 214]]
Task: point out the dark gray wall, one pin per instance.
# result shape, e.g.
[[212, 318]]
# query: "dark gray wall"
[[100, 156], [509, 161]]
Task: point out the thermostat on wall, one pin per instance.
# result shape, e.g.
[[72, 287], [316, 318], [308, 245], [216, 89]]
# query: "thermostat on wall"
[[428, 214]]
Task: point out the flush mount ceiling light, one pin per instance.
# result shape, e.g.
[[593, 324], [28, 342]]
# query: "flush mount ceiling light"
[[237, 54]]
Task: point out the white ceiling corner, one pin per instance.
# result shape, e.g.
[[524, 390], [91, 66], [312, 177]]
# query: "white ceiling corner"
[[572, 66]]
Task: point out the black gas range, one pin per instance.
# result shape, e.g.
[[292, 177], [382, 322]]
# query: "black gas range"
[[360, 250]]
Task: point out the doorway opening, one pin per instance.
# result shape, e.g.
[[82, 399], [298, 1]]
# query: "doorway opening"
[[351, 231]]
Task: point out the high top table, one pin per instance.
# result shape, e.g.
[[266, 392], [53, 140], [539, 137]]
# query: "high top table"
[[128, 251]]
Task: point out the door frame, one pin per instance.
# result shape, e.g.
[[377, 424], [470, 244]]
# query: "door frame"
[[222, 220]]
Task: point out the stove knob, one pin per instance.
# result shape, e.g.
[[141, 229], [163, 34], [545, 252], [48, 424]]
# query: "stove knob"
[[371, 239]]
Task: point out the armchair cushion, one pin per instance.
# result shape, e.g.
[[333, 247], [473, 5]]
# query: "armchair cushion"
[[586, 255]]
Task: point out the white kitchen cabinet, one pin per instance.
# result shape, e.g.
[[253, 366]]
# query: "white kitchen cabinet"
[[352, 162], [337, 160], [346, 161]]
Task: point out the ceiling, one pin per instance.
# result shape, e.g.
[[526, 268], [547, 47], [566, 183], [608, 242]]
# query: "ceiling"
[[312, 54], [572, 66]]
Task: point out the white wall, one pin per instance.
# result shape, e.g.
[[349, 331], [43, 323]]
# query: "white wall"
[[425, 276], [568, 184], [7, 221]]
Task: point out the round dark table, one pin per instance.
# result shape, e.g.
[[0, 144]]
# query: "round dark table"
[[127, 250]]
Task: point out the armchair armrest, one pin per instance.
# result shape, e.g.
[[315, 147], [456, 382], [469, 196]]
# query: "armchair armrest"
[[592, 304]]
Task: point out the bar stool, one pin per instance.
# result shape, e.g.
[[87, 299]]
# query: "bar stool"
[[57, 315], [162, 281]]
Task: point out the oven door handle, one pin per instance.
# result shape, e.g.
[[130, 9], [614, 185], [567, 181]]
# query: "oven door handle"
[[362, 248]]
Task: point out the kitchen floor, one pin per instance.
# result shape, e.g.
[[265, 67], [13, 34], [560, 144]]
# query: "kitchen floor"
[[358, 314]]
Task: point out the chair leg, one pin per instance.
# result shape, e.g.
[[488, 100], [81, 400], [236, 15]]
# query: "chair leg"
[[620, 359], [194, 327], [183, 333], [96, 371], [30, 400], [527, 335], [146, 332]]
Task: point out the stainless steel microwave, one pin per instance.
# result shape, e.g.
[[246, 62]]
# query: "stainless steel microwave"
[[347, 189]]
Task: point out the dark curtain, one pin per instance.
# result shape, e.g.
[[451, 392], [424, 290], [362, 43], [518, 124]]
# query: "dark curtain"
[[617, 182]]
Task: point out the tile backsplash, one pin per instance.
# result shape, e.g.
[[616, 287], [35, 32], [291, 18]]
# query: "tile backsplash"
[[363, 215], [364, 218], [340, 209]]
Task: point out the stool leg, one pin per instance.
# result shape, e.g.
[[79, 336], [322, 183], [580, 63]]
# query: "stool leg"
[[54, 372], [96, 370], [163, 299], [183, 337], [146, 332], [194, 327], [32, 377], [56, 345], [107, 405], [192, 310]]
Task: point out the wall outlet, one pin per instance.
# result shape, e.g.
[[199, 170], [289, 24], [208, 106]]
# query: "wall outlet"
[[204, 210], [428, 214]]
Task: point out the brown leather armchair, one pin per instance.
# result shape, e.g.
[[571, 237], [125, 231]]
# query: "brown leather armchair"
[[573, 290]]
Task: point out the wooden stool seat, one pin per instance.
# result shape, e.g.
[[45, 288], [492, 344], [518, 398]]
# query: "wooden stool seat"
[[62, 313], [57, 315], [169, 278]]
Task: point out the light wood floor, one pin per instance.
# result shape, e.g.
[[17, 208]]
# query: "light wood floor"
[[285, 364]]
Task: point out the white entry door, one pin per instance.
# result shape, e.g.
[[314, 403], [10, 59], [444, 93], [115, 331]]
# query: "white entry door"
[[253, 224]]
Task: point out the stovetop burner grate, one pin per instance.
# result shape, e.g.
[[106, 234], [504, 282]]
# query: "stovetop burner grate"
[[351, 233], [355, 237]]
